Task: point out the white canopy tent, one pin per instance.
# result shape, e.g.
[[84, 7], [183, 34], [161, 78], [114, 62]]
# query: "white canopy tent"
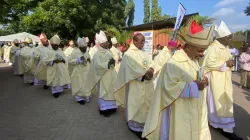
[[19, 36]]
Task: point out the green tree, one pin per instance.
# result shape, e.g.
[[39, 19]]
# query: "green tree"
[[129, 12], [155, 11], [165, 16], [247, 10], [113, 32], [4, 32], [12, 12], [146, 11], [239, 32], [72, 18]]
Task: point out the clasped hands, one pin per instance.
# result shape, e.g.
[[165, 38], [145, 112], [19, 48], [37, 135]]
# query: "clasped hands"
[[149, 74], [230, 63], [84, 59], [59, 61], [111, 62], [202, 84]]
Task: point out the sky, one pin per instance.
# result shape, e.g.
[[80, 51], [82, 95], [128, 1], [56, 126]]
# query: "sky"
[[230, 11]]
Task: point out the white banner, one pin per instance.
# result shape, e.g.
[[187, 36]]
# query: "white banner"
[[180, 14], [148, 46]]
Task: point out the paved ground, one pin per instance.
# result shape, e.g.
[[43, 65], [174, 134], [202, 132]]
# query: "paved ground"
[[31, 113]]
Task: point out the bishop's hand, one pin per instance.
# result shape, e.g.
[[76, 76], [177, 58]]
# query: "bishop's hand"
[[149, 74], [56, 61], [230, 63], [111, 62], [201, 84], [63, 61], [205, 80], [82, 58], [89, 60]]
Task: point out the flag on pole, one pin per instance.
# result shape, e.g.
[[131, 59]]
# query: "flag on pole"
[[180, 14]]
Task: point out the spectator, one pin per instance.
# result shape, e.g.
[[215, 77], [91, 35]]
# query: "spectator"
[[157, 50], [243, 47], [245, 68], [235, 54]]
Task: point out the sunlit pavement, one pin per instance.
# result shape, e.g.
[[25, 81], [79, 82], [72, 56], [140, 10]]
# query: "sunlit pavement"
[[31, 113]]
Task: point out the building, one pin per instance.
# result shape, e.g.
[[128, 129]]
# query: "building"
[[154, 28]]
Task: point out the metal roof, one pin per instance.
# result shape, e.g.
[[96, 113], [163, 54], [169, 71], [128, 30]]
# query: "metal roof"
[[156, 25]]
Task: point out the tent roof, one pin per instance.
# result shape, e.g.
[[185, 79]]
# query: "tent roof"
[[19, 36]]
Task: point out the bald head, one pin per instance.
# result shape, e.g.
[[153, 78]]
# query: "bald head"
[[139, 40]]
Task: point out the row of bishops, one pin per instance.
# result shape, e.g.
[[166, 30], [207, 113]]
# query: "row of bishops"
[[175, 97]]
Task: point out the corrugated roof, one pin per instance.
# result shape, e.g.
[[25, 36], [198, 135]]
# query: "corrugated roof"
[[170, 23]]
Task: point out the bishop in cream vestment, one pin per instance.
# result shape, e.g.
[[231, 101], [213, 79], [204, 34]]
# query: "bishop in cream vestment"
[[217, 64], [103, 75], [178, 110], [134, 92], [80, 61], [164, 55], [117, 54], [57, 71], [39, 54], [26, 63]]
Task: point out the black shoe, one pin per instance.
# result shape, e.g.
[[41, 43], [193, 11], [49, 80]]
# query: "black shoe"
[[138, 134], [56, 95], [230, 136], [82, 102], [21, 75], [32, 83], [112, 111], [105, 113], [45, 87]]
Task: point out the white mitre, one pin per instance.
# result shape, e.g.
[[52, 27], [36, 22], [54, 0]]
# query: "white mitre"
[[55, 40], [101, 37], [82, 43], [87, 39], [15, 41], [114, 40], [222, 30], [96, 41], [78, 40]]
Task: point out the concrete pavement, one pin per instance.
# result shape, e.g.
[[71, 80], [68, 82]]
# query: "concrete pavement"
[[31, 113]]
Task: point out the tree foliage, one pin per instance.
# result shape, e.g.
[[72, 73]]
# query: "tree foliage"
[[129, 12], [113, 32], [165, 16], [155, 11], [121, 36], [239, 32], [12, 12], [247, 10], [4, 32], [125, 35], [146, 11], [67, 18]]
